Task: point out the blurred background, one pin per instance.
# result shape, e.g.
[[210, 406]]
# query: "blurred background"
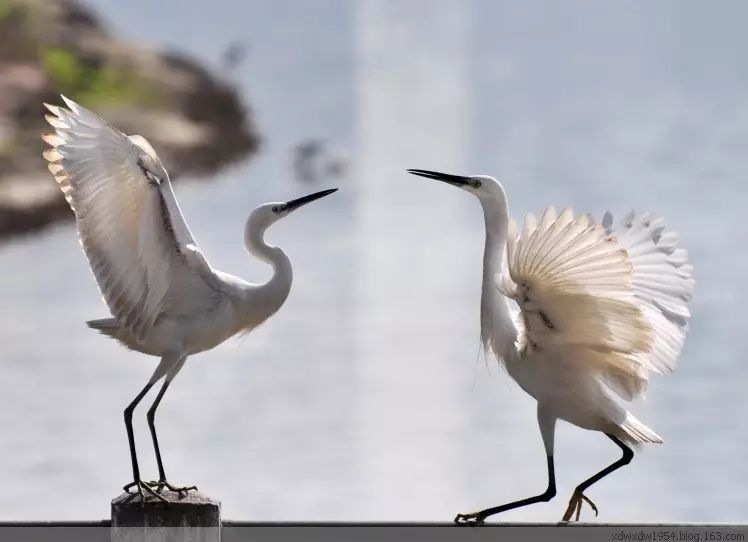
[[366, 397]]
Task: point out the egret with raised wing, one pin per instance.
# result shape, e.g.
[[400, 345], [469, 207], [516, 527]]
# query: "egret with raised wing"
[[579, 313], [165, 298]]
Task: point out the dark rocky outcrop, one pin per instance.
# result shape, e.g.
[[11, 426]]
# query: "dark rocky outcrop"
[[196, 121]]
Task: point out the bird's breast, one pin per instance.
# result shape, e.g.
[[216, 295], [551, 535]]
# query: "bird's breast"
[[201, 330], [192, 332], [210, 329]]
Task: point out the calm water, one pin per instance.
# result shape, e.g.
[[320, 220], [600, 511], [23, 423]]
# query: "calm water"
[[365, 397]]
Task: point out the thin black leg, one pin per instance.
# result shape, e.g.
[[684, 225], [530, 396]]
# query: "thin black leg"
[[137, 482], [575, 503], [130, 435], [162, 482], [151, 416], [479, 517]]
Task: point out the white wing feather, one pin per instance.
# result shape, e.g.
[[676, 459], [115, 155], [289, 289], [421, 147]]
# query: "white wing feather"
[[662, 282], [574, 284], [124, 226]]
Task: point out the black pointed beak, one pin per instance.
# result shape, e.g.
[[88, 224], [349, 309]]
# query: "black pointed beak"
[[454, 180], [296, 203]]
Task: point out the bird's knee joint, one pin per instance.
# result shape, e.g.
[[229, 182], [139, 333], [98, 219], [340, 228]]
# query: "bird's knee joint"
[[549, 493], [628, 455]]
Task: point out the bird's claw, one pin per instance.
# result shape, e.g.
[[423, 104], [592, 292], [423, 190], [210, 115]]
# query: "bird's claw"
[[180, 491], [126, 488], [469, 519], [144, 489], [575, 506]]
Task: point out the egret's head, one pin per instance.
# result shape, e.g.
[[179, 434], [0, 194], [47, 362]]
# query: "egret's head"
[[266, 214], [147, 160], [482, 186]]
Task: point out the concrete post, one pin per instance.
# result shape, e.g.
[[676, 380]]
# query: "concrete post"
[[190, 518]]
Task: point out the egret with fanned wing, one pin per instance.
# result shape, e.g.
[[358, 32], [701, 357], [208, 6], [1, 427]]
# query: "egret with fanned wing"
[[165, 299], [601, 306]]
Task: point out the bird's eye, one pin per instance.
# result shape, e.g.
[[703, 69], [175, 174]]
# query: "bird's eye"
[[276, 209], [475, 183]]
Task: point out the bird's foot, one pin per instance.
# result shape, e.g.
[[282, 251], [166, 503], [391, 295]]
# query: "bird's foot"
[[575, 506], [162, 483], [469, 519], [143, 489]]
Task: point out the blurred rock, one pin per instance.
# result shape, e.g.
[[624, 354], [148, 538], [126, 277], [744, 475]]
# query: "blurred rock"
[[196, 121]]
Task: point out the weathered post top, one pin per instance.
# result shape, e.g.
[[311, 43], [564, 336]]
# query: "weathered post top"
[[192, 517]]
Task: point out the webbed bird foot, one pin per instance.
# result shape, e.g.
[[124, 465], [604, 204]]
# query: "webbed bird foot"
[[469, 519], [575, 506], [144, 490]]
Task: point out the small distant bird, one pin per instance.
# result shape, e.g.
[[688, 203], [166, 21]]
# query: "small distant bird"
[[233, 56], [313, 161], [165, 298], [600, 307], [306, 158]]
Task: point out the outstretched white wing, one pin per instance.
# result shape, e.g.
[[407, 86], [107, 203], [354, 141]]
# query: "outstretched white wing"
[[573, 282], [662, 282], [129, 226]]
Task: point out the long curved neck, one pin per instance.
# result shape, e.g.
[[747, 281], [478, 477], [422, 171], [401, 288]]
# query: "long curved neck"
[[274, 292], [498, 332]]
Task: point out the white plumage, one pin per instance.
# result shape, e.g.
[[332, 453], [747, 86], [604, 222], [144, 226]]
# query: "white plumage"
[[614, 298], [133, 240], [164, 297], [601, 306], [662, 281], [572, 282]]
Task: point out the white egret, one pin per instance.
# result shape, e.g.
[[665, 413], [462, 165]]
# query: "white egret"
[[600, 307], [165, 298]]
